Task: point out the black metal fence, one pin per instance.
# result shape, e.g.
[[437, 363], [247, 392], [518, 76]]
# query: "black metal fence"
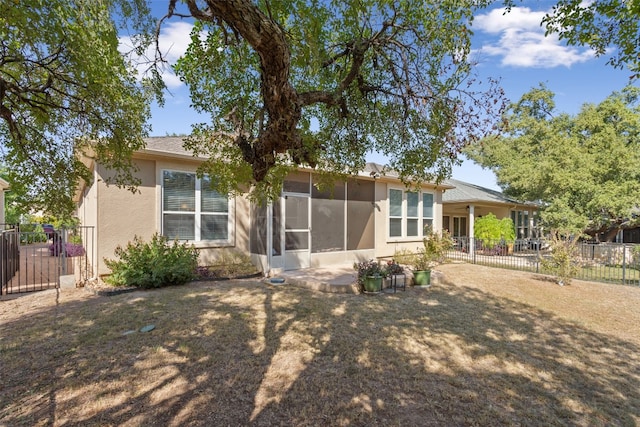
[[9, 257], [34, 258], [601, 262]]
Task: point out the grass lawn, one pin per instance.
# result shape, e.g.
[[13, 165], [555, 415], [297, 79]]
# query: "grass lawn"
[[485, 347]]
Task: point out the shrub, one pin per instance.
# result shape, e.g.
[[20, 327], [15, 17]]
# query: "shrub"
[[564, 260], [154, 264], [492, 230]]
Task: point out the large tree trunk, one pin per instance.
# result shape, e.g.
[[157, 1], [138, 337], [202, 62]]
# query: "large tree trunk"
[[281, 101]]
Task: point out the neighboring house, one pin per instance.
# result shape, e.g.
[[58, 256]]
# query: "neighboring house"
[[4, 186], [467, 202], [369, 216]]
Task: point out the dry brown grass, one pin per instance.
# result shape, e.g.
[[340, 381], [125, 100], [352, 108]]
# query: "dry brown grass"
[[487, 347]]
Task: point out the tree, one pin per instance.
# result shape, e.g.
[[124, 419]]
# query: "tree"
[[321, 83], [612, 25], [64, 87], [585, 169]]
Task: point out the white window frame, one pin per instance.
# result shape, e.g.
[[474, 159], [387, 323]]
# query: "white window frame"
[[405, 217], [229, 241]]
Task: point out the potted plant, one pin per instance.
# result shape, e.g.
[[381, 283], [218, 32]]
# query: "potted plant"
[[434, 251], [395, 274], [393, 268], [370, 276]]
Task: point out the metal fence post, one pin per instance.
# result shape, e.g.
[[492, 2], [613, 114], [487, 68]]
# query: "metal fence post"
[[624, 264]]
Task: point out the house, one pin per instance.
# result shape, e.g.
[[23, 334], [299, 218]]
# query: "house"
[[369, 216], [4, 186], [466, 202]]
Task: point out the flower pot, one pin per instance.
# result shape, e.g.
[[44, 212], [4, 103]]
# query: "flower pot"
[[422, 278], [373, 283]]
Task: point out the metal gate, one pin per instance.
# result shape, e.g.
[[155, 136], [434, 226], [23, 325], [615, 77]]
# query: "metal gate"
[[35, 258]]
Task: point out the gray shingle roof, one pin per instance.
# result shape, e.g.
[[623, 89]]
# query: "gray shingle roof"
[[466, 192], [166, 144]]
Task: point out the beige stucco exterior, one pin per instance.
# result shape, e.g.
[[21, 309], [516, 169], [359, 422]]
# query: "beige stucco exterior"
[[467, 202], [387, 246], [118, 215]]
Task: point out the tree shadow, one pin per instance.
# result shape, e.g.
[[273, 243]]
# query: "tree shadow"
[[241, 354]]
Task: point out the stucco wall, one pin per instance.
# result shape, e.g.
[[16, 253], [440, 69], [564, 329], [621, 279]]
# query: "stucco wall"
[[122, 214], [387, 246]]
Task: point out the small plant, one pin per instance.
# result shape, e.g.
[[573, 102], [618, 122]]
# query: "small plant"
[[434, 250], [393, 267], [563, 262], [154, 264]]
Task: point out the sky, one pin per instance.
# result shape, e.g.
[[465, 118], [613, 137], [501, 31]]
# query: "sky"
[[510, 47]]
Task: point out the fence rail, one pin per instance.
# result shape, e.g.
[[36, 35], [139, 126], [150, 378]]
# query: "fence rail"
[[603, 262]]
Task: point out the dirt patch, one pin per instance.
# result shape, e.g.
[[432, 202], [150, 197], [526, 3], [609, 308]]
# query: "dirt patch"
[[485, 347]]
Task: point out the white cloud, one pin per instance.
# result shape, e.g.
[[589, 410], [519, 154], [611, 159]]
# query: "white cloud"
[[174, 40], [521, 41]]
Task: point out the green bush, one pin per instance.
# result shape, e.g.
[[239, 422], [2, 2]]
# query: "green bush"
[[154, 264], [564, 259], [492, 230]]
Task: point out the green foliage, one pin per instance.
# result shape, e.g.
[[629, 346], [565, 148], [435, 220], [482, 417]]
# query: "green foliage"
[[608, 27], [583, 168], [492, 230], [564, 259], [154, 264], [434, 251], [350, 77], [66, 88]]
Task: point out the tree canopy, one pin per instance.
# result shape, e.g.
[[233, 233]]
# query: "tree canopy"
[[64, 85], [609, 27], [585, 168], [321, 83]]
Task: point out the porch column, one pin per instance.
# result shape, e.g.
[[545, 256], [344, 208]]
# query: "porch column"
[[472, 243]]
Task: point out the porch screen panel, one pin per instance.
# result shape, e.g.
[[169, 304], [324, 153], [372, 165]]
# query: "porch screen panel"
[[297, 182], [327, 219], [259, 228], [276, 228], [360, 219]]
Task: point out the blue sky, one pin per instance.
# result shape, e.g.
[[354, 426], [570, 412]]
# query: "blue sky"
[[511, 47]]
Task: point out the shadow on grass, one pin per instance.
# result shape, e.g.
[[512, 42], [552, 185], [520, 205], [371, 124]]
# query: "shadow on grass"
[[241, 353]]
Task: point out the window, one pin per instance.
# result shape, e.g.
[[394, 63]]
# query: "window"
[[459, 226], [409, 213], [521, 223], [395, 213], [192, 210]]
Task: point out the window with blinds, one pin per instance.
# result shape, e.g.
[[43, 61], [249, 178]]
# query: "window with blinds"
[[192, 210]]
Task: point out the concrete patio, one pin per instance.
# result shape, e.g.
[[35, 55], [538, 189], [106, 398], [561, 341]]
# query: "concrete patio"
[[335, 279]]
